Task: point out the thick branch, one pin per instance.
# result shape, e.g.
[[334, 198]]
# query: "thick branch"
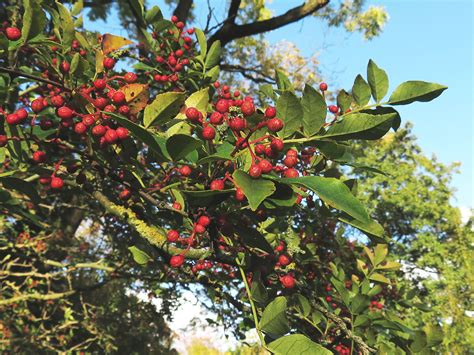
[[230, 31], [15, 73], [183, 9], [259, 77], [233, 9], [364, 348]]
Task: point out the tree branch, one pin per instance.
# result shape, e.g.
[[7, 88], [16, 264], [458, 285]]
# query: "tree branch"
[[183, 9], [233, 10], [230, 31], [15, 73], [258, 78]]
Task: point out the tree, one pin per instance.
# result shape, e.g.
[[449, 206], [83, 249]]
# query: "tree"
[[195, 182]]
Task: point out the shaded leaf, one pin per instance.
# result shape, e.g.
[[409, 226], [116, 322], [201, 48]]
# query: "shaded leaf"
[[274, 321], [361, 91], [378, 81], [163, 108], [297, 344], [256, 190], [180, 145], [290, 111]]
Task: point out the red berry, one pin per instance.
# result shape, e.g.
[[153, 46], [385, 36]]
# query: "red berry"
[[13, 33], [270, 112], [125, 194], [239, 194], [37, 105], [216, 84], [118, 97], [3, 140], [222, 106], [259, 149], [333, 109], [291, 153], [265, 166], [88, 120], [274, 124], [100, 103], [56, 183], [284, 260], [199, 228], [111, 136], [122, 133], [64, 67], [216, 118], [204, 221], [108, 63], [208, 133], [323, 86], [192, 114], [12, 119], [57, 101], [174, 19], [130, 77], [288, 281], [290, 161], [65, 113], [172, 236], [176, 261], [39, 156], [277, 145], [99, 130], [217, 184], [248, 108], [238, 124], [291, 173], [185, 170], [255, 171], [80, 128], [100, 84], [124, 110]]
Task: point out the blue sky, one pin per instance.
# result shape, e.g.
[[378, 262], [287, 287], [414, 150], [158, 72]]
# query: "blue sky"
[[423, 40]]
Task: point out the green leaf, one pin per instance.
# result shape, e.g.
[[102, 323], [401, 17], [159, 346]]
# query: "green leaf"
[[370, 227], [282, 81], [380, 252], [153, 15], [390, 266], [22, 186], [67, 25], [180, 145], [289, 110], [344, 100], [378, 81], [214, 55], [314, 110], [333, 192], [139, 256], [367, 124], [253, 238], [222, 153], [201, 37], [274, 321], [359, 303], [361, 91], [303, 305], [379, 278], [34, 20], [411, 91], [77, 7], [374, 291], [258, 290], [256, 190], [297, 344], [165, 107], [207, 197], [198, 100], [341, 290], [154, 142]]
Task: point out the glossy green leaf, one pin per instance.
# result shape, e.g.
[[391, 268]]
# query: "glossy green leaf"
[[223, 152], [139, 256], [163, 108], [198, 100], [282, 81], [290, 111], [367, 124], [297, 344], [258, 290], [253, 239], [34, 20], [378, 81], [344, 100], [373, 229], [180, 145], [379, 278], [274, 321], [153, 15], [67, 25], [411, 91], [333, 192], [359, 303], [201, 37], [303, 305], [214, 55], [380, 252], [361, 91], [256, 190], [314, 110]]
